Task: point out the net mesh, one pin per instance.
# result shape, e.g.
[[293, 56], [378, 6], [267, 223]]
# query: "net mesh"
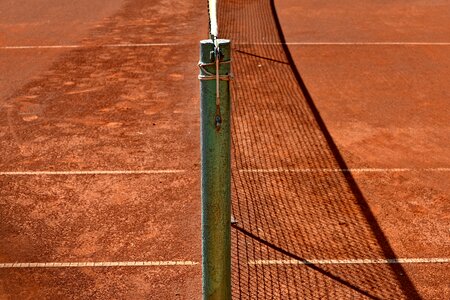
[[292, 215]]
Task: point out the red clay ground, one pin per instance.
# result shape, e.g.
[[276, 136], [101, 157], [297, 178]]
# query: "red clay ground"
[[52, 22], [100, 108], [136, 108]]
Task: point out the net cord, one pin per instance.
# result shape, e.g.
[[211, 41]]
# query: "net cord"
[[214, 35], [213, 26]]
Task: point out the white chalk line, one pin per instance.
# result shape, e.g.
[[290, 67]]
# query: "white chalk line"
[[98, 264], [351, 261], [238, 44], [94, 172], [91, 46], [351, 170], [40, 47], [175, 171], [350, 44]]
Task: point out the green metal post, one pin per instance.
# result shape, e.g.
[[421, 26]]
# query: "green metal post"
[[216, 171]]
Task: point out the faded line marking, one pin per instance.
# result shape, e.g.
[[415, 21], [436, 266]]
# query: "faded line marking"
[[98, 264], [96, 172], [145, 45], [238, 44], [351, 261], [349, 44], [83, 91], [40, 47], [356, 170], [92, 46]]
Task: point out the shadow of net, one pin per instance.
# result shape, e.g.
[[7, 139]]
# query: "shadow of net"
[[286, 207]]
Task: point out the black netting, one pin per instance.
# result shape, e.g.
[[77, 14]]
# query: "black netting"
[[293, 214]]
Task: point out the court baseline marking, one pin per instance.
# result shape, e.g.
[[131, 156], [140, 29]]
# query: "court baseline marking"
[[350, 261], [94, 172], [175, 171], [350, 43], [251, 262], [238, 44], [98, 264], [351, 170]]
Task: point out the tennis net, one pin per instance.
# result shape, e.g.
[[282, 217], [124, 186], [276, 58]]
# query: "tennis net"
[[286, 208]]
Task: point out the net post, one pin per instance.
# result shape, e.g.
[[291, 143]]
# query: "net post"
[[216, 170]]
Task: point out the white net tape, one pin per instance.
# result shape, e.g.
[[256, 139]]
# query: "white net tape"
[[214, 35], [213, 27]]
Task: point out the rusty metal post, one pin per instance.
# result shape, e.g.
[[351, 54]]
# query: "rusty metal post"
[[216, 169]]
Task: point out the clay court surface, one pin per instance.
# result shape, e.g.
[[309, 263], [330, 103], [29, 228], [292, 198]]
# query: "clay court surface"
[[341, 156]]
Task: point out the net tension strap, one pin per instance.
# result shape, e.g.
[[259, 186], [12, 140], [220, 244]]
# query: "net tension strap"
[[216, 57]]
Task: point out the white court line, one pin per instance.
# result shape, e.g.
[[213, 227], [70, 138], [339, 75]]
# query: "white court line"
[[92, 46], [40, 47], [98, 264], [355, 170], [174, 171], [146, 45], [349, 44], [95, 172], [351, 261], [238, 44]]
